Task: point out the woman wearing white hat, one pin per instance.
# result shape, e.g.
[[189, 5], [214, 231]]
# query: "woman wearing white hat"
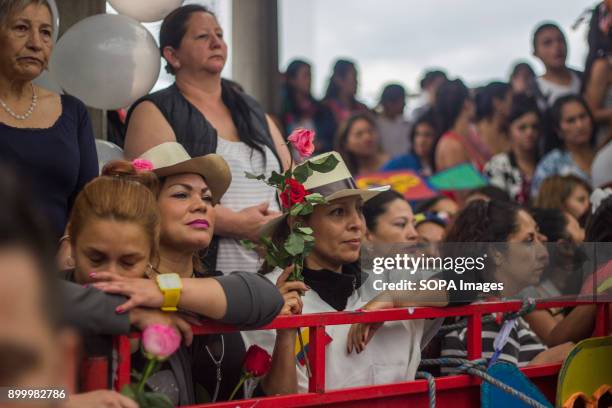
[[333, 275], [190, 189]]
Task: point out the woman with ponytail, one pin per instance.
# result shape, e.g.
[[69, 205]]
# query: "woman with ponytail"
[[114, 224], [206, 114]]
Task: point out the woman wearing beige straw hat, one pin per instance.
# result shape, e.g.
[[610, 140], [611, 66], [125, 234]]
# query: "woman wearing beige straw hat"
[[189, 190], [333, 275]]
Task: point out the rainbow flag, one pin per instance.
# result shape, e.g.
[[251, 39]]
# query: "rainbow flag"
[[299, 353]]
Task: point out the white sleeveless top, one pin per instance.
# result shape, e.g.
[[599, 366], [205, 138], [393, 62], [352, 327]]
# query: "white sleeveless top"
[[243, 193]]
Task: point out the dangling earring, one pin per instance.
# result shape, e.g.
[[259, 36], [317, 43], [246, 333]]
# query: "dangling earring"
[[149, 271]]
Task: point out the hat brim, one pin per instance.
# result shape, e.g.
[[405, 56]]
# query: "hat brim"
[[268, 229], [212, 167]]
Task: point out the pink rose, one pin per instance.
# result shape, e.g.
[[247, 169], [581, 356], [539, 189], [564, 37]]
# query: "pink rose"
[[302, 140], [142, 165], [160, 341]]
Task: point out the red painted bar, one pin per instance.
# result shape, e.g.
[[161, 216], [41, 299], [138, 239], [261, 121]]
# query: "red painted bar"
[[334, 318], [316, 355], [456, 391], [452, 391], [122, 345], [602, 320], [474, 336]]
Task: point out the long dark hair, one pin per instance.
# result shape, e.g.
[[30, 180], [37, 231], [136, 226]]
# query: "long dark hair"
[[487, 95], [600, 44], [450, 98], [171, 34], [553, 141], [599, 225], [552, 222], [292, 71], [523, 104], [341, 69], [342, 137], [427, 118]]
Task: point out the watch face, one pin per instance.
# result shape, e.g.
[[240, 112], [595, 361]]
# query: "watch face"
[[169, 281]]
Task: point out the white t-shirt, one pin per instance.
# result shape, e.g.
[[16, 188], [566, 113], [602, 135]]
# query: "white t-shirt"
[[393, 354], [552, 91]]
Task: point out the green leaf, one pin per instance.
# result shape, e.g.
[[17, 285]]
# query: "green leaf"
[[324, 165], [301, 173], [248, 244], [294, 244], [277, 179], [296, 209], [316, 198], [254, 176], [305, 230], [306, 209]]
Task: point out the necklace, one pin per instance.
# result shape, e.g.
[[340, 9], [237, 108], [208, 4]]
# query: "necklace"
[[29, 111], [218, 366]]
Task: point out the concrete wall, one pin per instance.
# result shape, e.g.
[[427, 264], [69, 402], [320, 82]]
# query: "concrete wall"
[[255, 50]]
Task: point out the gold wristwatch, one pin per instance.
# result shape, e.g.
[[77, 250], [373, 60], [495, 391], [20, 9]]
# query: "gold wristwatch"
[[170, 285]]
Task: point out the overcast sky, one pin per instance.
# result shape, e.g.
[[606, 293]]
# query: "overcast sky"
[[395, 40]]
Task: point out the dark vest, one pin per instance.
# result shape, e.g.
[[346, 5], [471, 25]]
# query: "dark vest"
[[191, 128]]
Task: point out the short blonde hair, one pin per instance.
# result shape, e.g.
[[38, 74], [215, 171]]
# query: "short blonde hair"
[[10, 7]]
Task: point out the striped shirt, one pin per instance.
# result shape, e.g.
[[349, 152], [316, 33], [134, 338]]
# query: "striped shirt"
[[522, 346], [243, 193]]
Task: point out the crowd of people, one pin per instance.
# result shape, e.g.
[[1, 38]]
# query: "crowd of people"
[[88, 253]]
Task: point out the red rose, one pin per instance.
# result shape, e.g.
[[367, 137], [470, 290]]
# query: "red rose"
[[293, 193], [302, 140], [257, 361]]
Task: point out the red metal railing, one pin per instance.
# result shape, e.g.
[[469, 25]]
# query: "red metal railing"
[[455, 391]]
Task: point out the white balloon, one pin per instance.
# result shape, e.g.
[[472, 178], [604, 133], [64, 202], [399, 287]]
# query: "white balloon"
[[145, 10], [108, 61], [107, 152]]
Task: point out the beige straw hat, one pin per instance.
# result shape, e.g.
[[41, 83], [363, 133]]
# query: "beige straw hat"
[[171, 158]]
